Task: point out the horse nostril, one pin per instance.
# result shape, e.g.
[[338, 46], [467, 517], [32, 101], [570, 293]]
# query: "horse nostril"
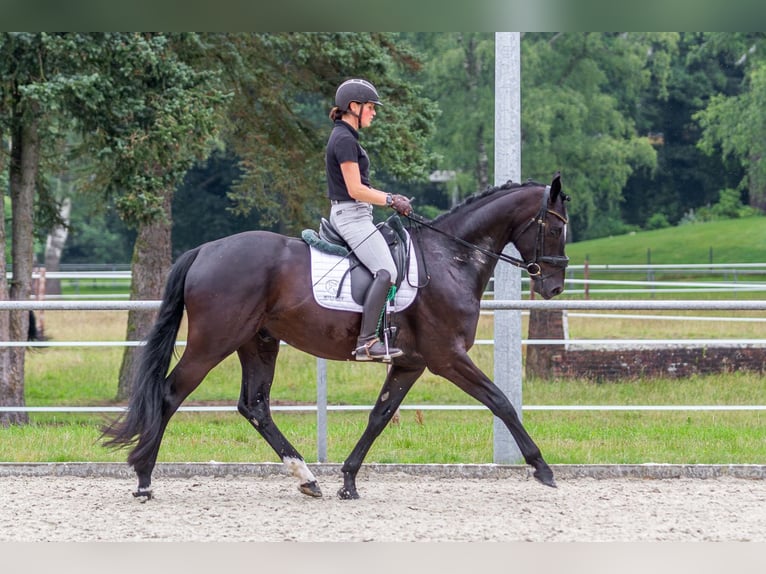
[[557, 291]]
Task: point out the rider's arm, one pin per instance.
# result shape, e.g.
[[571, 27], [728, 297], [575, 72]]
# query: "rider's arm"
[[359, 191]]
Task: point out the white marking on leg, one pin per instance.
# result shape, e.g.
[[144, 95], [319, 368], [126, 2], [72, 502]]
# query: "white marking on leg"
[[298, 469]]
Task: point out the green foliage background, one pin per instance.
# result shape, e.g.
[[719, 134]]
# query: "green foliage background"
[[647, 128]]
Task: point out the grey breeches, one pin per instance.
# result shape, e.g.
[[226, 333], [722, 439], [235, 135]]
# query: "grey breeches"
[[354, 222]]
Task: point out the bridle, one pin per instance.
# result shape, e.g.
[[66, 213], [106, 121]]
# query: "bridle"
[[538, 256]]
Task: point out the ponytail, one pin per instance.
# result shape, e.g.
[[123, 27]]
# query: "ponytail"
[[336, 113]]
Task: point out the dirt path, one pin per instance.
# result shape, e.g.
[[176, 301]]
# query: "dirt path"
[[394, 507]]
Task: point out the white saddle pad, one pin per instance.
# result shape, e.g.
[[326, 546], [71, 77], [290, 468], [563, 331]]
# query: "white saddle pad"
[[328, 270]]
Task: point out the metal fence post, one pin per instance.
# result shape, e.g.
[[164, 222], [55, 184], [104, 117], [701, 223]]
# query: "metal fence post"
[[507, 370], [321, 410]]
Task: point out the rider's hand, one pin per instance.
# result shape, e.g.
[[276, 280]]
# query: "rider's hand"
[[401, 204]]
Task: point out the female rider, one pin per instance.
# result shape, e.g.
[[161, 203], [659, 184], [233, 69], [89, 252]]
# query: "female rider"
[[352, 199]]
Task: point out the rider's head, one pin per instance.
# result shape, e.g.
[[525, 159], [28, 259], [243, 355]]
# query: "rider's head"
[[356, 98]]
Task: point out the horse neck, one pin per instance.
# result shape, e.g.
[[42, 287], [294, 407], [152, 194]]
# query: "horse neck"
[[489, 223]]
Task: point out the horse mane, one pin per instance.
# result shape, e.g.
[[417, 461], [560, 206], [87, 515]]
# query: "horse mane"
[[507, 186]]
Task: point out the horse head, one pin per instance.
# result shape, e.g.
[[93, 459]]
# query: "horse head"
[[542, 241]]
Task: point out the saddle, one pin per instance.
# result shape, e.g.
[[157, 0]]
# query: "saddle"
[[328, 240]]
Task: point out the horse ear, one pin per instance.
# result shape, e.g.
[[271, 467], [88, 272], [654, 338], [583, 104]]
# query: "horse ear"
[[555, 186]]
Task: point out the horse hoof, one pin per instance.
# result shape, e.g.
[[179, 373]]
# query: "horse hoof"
[[545, 476], [144, 494], [345, 494], [311, 489]]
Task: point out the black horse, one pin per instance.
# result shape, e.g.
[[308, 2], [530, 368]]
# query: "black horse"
[[249, 291]]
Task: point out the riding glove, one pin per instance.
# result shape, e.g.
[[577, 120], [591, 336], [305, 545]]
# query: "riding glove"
[[401, 204]]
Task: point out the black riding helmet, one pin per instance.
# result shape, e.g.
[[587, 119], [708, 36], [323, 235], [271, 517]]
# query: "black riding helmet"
[[355, 90]]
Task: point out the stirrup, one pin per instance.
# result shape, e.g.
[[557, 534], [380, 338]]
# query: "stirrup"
[[365, 352]]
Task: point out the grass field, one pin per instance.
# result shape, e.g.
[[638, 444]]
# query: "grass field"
[[726, 241]]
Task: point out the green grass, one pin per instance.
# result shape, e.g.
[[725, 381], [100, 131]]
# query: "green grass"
[[731, 241], [429, 437], [95, 288]]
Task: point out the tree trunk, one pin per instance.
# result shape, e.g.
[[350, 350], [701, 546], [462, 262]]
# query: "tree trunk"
[[25, 152], [151, 262], [482, 160], [6, 396], [544, 324], [472, 68], [54, 247], [757, 187]]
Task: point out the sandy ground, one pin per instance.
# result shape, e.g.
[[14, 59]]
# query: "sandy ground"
[[395, 507]]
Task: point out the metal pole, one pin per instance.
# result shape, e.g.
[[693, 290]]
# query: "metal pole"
[[321, 410], [507, 364]]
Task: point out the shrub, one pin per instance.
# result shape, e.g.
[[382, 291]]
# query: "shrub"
[[657, 221]]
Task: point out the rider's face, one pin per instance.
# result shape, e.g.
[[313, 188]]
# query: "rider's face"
[[368, 113]]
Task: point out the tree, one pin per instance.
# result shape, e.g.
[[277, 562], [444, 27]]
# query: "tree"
[[579, 92], [580, 96], [96, 233], [283, 87], [32, 73], [147, 117], [10, 393], [202, 209], [736, 124], [686, 178], [459, 75], [54, 246], [62, 191]]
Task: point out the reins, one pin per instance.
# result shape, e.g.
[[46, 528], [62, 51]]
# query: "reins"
[[500, 256], [531, 267]]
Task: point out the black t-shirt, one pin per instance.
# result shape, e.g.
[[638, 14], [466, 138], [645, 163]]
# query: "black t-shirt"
[[342, 146]]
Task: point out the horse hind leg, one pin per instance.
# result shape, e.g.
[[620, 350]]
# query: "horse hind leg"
[[182, 380], [258, 359]]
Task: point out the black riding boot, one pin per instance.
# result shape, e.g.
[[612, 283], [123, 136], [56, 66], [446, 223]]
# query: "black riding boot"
[[368, 346]]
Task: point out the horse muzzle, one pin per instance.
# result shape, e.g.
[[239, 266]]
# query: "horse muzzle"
[[552, 284]]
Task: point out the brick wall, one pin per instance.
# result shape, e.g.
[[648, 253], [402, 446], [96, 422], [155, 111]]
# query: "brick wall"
[[560, 362], [608, 365]]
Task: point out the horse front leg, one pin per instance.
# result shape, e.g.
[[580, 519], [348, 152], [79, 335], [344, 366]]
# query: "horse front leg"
[[467, 376], [258, 359], [398, 383]]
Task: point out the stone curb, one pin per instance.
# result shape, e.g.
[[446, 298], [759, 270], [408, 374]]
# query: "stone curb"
[[490, 471]]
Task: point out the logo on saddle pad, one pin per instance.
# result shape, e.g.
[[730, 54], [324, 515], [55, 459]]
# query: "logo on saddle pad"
[[340, 281]]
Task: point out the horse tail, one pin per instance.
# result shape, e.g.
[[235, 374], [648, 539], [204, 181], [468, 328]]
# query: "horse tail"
[[143, 420]]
